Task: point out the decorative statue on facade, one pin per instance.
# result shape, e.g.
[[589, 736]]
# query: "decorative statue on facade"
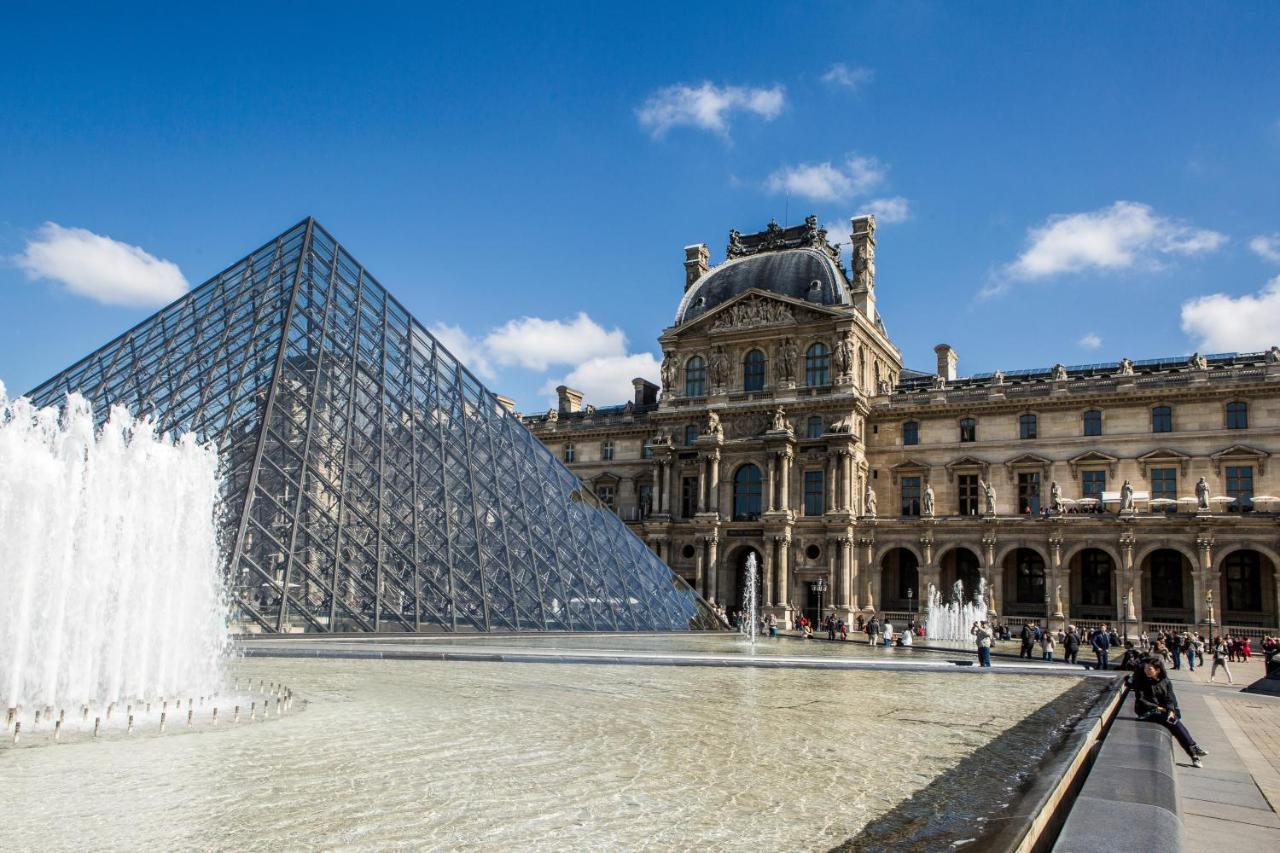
[[926, 506], [1198, 362], [940, 382], [669, 370], [718, 368], [869, 502], [1057, 601], [989, 492], [779, 421], [997, 378], [884, 388], [844, 356], [864, 262], [735, 247], [1126, 367], [1202, 495], [1059, 371], [714, 428], [1273, 355], [1126, 497], [787, 354], [1055, 497]]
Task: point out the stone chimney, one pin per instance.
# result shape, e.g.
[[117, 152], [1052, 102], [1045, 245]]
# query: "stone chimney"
[[570, 400], [695, 263], [646, 392], [947, 361], [863, 241], [506, 402]]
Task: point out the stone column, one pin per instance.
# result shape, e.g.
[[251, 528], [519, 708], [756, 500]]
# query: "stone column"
[[771, 466], [1130, 582], [834, 593], [702, 484], [787, 459], [855, 579], [699, 575], [658, 480], [783, 596], [1054, 600], [828, 485], [871, 573], [715, 482], [1204, 581], [993, 574], [713, 568], [846, 480], [846, 576], [769, 547]]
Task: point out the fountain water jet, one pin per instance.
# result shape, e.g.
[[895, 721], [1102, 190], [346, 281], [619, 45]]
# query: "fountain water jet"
[[750, 602], [111, 565], [951, 622]]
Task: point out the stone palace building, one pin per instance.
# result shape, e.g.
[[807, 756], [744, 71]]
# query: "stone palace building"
[[1133, 492]]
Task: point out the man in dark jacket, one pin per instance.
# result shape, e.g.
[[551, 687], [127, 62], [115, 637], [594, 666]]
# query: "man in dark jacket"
[[1101, 643], [1071, 645], [1027, 639]]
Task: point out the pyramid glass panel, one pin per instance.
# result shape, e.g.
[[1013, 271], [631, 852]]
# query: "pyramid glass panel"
[[373, 484]]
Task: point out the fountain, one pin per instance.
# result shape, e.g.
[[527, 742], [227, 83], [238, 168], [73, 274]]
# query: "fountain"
[[751, 602], [111, 569], [951, 622]]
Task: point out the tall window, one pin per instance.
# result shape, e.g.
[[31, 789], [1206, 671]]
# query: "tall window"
[[911, 433], [688, 497], [1164, 484], [1030, 572], [606, 450], [690, 434], [646, 452], [1095, 578], [968, 430], [1093, 484], [568, 453], [753, 371], [1093, 422], [813, 427], [746, 493], [1237, 415], [813, 493], [644, 496], [1166, 579], [1240, 487], [1029, 492], [910, 495], [1242, 573], [967, 486], [695, 377], [817, 365], [606, 495], [1162, 419], [1026, 426]]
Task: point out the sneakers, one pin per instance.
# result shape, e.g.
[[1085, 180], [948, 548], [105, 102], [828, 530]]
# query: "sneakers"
[[1197, 752], [1196, 762]]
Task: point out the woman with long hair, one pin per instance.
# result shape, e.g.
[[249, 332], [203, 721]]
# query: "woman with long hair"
[[1154, 702]]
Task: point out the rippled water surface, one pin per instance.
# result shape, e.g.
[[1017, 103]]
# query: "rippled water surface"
[[443, 755]]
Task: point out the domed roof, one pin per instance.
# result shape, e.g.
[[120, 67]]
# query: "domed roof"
[[806, 274]]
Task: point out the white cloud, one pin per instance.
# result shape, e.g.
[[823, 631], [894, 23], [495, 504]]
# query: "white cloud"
[[849, 78], [707, 106], [465, 349], [537, 344], [606, 380], [1267, 247], [100, 268], [827, 182], [1121, 236], [889, 211], [1222, 323], [1090, 341]]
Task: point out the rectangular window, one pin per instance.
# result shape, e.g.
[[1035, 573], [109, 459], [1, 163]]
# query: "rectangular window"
[[644, 497], [967, 486], [968, 430], [1026, 426], [606, 450], [605, 494], [1164, 485], [1093, 422], [813, 493], [688, 497], [1162, 419], [911, 433], [1237, 415], [910, 495], [1093, 484], [1029, 493], [1240, 487], [646, 452]]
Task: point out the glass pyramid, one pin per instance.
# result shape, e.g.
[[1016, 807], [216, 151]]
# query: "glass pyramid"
[[373, 485]]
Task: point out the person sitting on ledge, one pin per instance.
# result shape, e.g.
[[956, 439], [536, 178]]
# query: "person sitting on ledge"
[[1131, 658], [1155, 702]]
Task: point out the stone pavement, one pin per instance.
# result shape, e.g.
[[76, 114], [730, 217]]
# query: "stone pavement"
[[1233, 802]]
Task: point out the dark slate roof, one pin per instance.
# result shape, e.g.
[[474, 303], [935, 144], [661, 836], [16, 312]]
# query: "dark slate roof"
[[789, 273]]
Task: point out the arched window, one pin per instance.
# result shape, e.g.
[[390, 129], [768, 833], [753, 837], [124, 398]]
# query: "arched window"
[[1166, 579], [911, 433], [753, 371], [568, 453], [968, 430], [1026, 426], [1095, 578], [1237, 415], [690, 434], [1093, 422], [1030, 575], [1242, 575], [1162, 419], [695, 377], [606, 450], [813, 427], [817, 365], [746, 493]]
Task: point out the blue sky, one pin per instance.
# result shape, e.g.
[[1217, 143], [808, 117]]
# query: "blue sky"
[[1056, 182]]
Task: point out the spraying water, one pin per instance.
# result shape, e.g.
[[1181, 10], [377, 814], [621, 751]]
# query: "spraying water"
[[109, 561], [750, 602], [952, 621]]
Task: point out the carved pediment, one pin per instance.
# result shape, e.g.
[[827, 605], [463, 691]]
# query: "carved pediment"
[[1027, 461], [1165, 456], [1092, 457], [1242, 454], [758, 309], [968, 463], [908, 466]]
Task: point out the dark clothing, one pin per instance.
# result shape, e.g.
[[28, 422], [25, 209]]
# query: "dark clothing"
[[1155, 702], [1102, 649], [1027, 638], [1131, 659], [984, 656]]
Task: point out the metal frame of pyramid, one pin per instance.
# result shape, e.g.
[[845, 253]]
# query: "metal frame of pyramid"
[[373, 484]]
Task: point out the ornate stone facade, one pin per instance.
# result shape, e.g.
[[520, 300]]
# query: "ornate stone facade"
[[787, 427]]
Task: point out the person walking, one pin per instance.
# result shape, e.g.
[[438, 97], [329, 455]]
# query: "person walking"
[[888, 631], [982, 635], [1220, 650], [1071, 645], [1047, 645], [1101, 644], [831, 626], [843, 627], [1174, 644], [1154, 702], [873, 631], [1027, 638], [1189, 651]]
